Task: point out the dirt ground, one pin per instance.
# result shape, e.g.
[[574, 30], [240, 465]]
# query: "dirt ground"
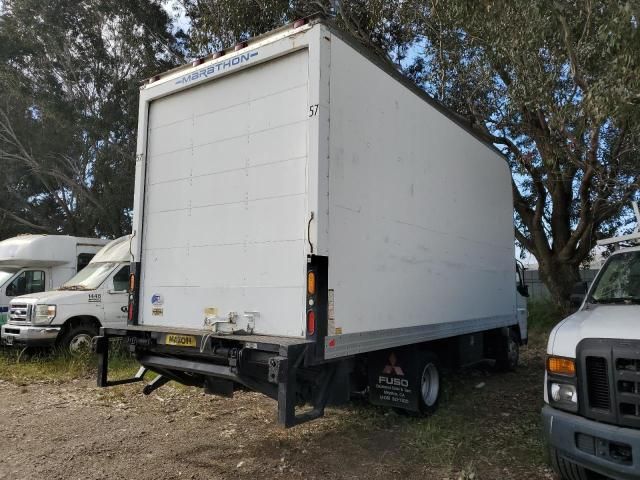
[[487, 428]]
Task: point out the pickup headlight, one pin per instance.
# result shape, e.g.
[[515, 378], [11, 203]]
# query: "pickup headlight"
[[44, 314], [562, 384]]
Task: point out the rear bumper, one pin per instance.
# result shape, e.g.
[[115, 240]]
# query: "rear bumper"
[[593, 445], [29, 335]]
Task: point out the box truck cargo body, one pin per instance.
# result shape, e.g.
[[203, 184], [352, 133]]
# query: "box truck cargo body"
[[299, 205]]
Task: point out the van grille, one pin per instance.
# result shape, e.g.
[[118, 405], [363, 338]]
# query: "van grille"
[[598, 383], [20, 313], [609, 379]]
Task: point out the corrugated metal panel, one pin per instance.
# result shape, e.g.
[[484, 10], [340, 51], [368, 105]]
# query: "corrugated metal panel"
[[226, 199]]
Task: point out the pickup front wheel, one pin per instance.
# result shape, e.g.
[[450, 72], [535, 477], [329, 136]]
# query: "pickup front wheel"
[[77, 339]]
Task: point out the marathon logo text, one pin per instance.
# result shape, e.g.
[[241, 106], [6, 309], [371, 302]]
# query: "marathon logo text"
[[216, 68]]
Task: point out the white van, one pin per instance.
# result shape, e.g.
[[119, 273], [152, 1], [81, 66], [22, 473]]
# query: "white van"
[[71, 315], [35, 263], [592, 384]]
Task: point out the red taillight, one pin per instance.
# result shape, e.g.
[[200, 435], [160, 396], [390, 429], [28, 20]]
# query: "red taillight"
[[217, 54], [240, 46], [132, 282], [197, 62], [311, 322], [130, 311]]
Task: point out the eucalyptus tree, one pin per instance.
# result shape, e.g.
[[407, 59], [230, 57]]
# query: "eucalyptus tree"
[[69, 79]]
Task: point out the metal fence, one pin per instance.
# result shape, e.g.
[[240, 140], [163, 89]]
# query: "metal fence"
[[537, 289]]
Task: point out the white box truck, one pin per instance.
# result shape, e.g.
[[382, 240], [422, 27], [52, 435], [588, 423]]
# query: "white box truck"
[[71, 315], [37, 263], [591, 415], [308, 223]]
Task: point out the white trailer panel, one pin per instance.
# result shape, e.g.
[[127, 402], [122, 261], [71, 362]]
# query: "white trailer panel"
[[226, 200], [421, 228]]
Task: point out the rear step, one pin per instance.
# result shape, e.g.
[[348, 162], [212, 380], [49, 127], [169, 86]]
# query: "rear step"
[[280, 382]]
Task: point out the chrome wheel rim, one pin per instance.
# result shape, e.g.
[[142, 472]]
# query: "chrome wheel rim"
[[430, 385], [81, 343]]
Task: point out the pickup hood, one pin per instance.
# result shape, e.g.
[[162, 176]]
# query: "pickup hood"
[[598, 321], [60, 297]]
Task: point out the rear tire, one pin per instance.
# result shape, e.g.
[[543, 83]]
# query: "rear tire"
[[430, 382], [508, 352], [568, 470], [77, 339]]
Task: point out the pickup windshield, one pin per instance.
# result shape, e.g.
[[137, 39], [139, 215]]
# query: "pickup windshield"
[[6, 274], [619, 281], [90, 277]]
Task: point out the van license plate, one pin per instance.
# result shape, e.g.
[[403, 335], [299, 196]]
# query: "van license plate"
[[180, 340]]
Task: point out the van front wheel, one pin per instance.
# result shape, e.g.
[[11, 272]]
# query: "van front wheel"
[[77, 339]]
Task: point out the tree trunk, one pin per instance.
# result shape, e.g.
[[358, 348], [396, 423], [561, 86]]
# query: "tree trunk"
[[559, 279]]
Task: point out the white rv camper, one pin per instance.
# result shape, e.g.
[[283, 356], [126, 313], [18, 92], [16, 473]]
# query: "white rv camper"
[[37, 263]]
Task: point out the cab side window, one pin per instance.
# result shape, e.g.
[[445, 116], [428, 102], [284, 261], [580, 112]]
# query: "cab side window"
[[121, 280], [83, 260], [30, 281]]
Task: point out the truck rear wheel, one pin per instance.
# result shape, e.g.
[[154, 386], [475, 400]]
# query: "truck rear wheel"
[[77, 339], [429, 384], [568, 470]]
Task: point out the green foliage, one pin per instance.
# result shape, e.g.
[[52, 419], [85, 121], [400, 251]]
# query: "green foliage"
[[556, 85], [69, 74], [26, 366], [544, 315]]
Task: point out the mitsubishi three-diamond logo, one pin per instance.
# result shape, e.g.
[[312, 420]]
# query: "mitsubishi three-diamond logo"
[[392, 368]]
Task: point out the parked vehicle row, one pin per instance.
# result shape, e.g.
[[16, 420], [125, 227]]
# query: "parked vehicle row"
[[71, 315]]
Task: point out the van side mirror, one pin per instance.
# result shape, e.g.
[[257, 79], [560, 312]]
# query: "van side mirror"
[[523, 290], [578, 292]]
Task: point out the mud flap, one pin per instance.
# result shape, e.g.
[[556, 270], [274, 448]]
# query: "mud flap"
[[394, 378]]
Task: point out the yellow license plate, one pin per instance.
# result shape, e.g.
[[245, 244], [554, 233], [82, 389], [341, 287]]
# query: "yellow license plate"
[[180, 340]]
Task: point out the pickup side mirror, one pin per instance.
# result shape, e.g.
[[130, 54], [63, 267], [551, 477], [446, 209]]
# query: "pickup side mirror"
[[578, 292]]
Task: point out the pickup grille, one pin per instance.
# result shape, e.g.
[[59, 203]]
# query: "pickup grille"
[[20, 313], [598, 383], [609, 379]]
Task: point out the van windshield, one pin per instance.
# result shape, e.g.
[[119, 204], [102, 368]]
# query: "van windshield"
[[619, 281], [6, 273], [90, 277]]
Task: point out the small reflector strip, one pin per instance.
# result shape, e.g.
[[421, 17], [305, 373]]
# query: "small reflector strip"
[[311, 322], [311, 283]]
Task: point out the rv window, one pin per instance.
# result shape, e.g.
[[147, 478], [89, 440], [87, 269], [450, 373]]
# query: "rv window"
[[121, 280], [30, 281], [83, 260]]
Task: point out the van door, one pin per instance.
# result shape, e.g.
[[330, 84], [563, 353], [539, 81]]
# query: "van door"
[[115, 298]]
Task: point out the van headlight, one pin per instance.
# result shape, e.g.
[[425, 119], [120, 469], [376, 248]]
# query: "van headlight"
[[44, 314], [562, 385]]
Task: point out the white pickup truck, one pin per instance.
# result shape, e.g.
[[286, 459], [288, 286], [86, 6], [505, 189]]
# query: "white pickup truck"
[[592, 383], [71, 315]]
